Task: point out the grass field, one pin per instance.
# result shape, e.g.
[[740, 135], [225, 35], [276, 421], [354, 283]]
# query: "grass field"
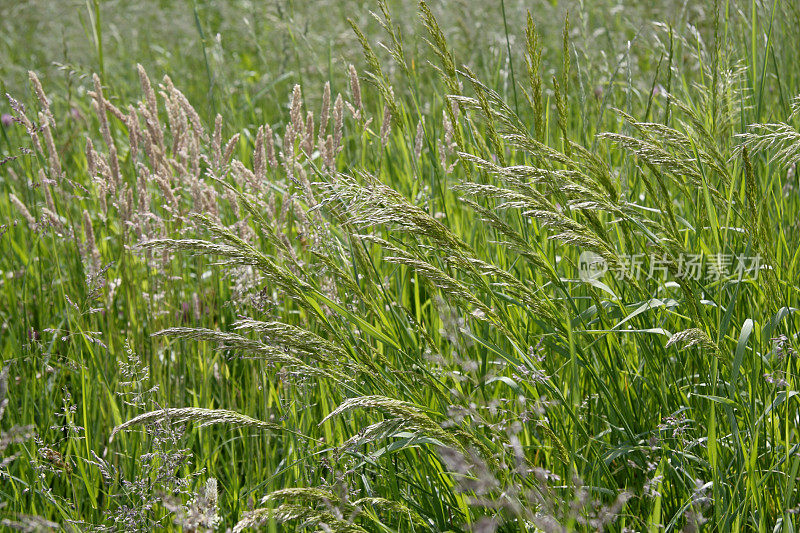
[[385, 266]]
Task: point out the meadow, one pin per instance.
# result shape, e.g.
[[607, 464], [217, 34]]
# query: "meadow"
[[390, 266]]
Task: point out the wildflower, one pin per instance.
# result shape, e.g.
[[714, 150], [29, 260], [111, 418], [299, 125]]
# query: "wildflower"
[[7, 120], [776, 378], [678, 423], [781, 347]]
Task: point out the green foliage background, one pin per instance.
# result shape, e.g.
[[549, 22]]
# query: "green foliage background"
[[401, 342]]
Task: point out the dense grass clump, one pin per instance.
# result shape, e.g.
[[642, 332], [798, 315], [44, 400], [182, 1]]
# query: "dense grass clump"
[[419, 268]]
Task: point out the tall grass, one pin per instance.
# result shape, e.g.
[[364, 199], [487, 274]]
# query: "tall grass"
[[367, 309]]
